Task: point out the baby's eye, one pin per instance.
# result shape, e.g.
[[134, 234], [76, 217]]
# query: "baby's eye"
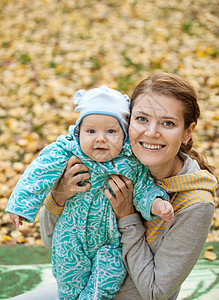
[[168, 123], [110, 131]]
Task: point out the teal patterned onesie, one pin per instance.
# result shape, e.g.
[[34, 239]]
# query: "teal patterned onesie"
[[86, 256]]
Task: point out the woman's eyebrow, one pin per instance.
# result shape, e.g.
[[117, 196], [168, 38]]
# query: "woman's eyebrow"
[[149, 115], [141, 113], [170, 117]]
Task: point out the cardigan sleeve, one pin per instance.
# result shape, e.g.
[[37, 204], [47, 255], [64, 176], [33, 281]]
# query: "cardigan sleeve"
[[49, 216], [157, 275]]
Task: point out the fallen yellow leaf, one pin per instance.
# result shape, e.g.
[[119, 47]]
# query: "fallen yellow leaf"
[[38, 242], [209, 255], [6, 238], [21, 239], [210, 248], [216, 117], [216, 223]]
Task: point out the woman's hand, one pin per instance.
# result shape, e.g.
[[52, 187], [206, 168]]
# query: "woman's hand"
[[122, 202], [68, 185]]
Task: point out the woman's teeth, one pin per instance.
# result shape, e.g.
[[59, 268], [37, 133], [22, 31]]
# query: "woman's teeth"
[[153, 147]]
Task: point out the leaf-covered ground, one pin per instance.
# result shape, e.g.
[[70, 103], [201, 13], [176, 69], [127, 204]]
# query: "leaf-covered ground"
[[51, 48]]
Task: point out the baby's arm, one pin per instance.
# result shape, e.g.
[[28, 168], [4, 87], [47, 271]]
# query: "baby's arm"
[[163, 209], [145, 193], [38, 179], [15, 219]]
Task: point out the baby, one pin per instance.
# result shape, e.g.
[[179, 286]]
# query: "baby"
[[87, 256]]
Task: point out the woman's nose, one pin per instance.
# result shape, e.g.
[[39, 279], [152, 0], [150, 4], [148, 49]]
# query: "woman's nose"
[[152, 131]]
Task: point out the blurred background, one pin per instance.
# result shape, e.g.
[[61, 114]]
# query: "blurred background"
[[51, 48]]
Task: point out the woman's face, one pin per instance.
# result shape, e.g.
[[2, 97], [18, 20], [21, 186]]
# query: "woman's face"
[[157, 130]]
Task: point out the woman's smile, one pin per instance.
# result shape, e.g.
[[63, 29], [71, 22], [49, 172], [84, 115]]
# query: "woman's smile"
[[151, 146]]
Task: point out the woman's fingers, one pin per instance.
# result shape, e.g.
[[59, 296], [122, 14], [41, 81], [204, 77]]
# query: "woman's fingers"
[[72, 181], [110, 197], [121, 199], [128, 183], [75, 172], [74, 166], [117, 186], [122, 181], [121, 186], [81, 177], [83, 188], [72, 161], [78, 168]]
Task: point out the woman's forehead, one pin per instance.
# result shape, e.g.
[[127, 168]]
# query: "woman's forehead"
[[151, 104]]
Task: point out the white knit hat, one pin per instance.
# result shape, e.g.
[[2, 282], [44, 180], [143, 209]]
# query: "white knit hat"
[[102, 101]]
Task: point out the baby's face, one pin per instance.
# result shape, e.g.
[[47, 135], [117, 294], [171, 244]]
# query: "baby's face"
[[101, 137]]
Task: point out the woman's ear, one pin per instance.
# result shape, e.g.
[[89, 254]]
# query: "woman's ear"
[[189, 131]]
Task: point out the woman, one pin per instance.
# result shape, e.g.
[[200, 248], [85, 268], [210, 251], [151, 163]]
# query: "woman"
[[158, 255]]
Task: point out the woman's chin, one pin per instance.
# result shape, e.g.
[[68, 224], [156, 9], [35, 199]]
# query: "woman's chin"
[[150, 162], [149, 157]]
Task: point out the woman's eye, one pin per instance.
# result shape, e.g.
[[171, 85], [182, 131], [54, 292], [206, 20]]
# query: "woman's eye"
[[168, 123], [142, 119], [111, 131]]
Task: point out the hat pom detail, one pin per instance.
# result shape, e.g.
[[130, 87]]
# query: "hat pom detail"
[[78, 96], [126, 97]]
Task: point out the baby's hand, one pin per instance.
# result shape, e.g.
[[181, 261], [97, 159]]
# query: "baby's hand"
[[162, 209], [15, 219]]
